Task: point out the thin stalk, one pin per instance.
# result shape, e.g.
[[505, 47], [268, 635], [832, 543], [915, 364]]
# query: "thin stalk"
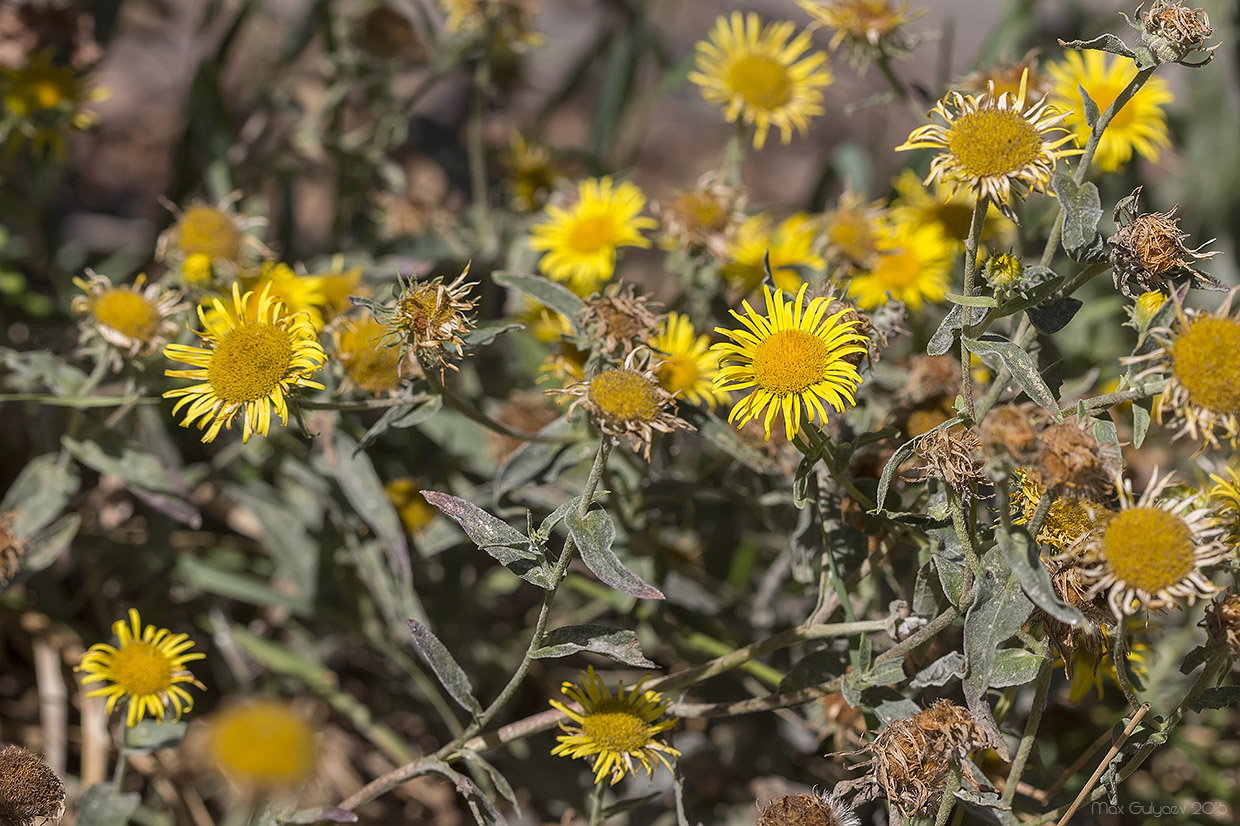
[[1106, 761], [970, 273], [474, 414], [477, 158], [596, 804], [949, 796], [1119, 651], [1040, 690]]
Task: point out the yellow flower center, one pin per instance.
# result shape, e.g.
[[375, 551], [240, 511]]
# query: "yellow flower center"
[[762, 81], [197, 268], [128, 313], [592, 233], [207, 230], [264, 742], [1205, 358], [140, 668], [678, 374], [47, 93], [625, 396], [615, 728], [790, 361], [898, 268], [701, 210], [1149, 548], [993, 142], [249, 362]]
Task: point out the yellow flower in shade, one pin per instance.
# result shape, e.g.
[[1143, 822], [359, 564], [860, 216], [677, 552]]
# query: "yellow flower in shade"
[[532, 174], [414, 511], [509, 22], [793, 358], [1225, 498], [689, 366], [370, 360], [1141, 125], [253, 359], [336, 285], [580, 241], [1093, 669], [952, 210], [912, 266], [298, 293], [1151, 551], [207, 238], [761, 77], [262, 744], [613, 730], [1068, 519], [850, 231], [790, 243], [146, 668], [42, 101], [131, 318], [997, 146], [543, 323]]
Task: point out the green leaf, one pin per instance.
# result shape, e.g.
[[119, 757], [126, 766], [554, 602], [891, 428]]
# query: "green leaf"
[[945, 335], [594, 534], [1035, 580], [1103, 43], [204, 577], [482, 336], [1053, 314], [327, 814], [622, 806], [144, 475], [815, 668], [1223, 696], [40, 493], [1091, 108], [150, 735], [530, 460], [613, 643], [1015, 666], [103, 805], [451, 676], [402, 416], [34, 370], [1022, 367], [285, 538], [1082, 208], [1141, 419], [940, 672], [548, 293], [485, 530]]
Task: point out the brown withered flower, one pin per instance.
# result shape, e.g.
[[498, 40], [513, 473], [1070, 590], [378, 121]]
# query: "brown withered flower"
[[1173, 32], [619, 320], [704, 217], [1222, 622], [808, 810], [431, 317], [12, 549], [30, 792], [951, 729], [1148, 251], [1072, 588], [1070, 463], [1009, 438], [951, 454]]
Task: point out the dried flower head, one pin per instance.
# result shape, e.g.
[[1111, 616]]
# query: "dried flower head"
[[930, 378], [951, 729], [12, 549], [868, 29], [808, 810], [1072, 587], [704, 218], [618, 320], [30, 792], [1151, 551], [1222, 622], [1148, 250], [133, 319], [627, 403], [1009, 437], [431, 317], [907, 767], [950, 454], [1071, 463], [995, 144], [851, 234], [1173, 32], [386, 32], [1201, 354], [1005, 75]]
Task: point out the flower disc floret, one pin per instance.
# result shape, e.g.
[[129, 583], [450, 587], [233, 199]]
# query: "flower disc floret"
[[1148, 548], [625, 396], [794, 357], [1205, 359], [134, 318]]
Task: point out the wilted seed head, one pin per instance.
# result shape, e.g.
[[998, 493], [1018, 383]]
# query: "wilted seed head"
[[30, 792], [626, 402], [1173, 32], [1148, 250], [1222, 622], [385, 32], [1072, 587], [910, 770], [12, 549], [705, 217], [1008, 438], [951, 455], [431, 317], [931, 377], [1070, 463], [951, 730], [808, 810], [618, 319]]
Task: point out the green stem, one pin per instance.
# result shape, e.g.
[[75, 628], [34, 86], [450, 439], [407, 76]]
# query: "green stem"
[[1119, 658], [596, 803], [477, 158], [474, 414], [1041, 689], [949, 796], [970, 273]]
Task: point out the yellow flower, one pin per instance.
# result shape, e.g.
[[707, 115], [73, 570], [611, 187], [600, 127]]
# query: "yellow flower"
[[42, 101], [758, 76], [614, 729], [1151, 551], [147, 669], [626, 402], [252, 360], [996, 145], [790, 243], [543, 323], [581, 241], [207, 238], [850, 231], [532, 174], [508, 22], [912, 266], [1065, 523], [298, 293], [1092, 669], [952, 210], [264, 744], [132, 319], [689, 369], [411, 506], [336, 285], [792, 358], [870, 27], [1140, 125], [369, 360]]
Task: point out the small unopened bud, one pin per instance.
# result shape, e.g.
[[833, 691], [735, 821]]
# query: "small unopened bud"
[[1003, 272], [1145, 308]]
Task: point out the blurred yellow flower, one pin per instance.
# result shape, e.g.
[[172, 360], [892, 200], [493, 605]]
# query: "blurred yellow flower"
[[791, 243], [689, 367], [913, 265], [264, 744]]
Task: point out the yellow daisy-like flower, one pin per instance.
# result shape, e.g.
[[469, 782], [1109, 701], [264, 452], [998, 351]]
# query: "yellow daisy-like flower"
[[1151, 551], [627, 402], [850, 231], [761, 77], [793, 358], [865, 24], [336, 285], [508, 22], [252, 360], [369, 359], [532, 173], [206, 239], [790, 243], [263, 744], [147, 669], [614, 729], [1141, 125], [1065, 523], [995, 145], [42, 101], [1092, 669], [298, 293], [131, 318], [952, 210], [689, 369], [1225, 497], [912, 266], [580, 242]]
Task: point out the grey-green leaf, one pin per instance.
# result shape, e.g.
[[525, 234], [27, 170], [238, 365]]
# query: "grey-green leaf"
[[548, 293], [1035, 580], [1014, 666], [151, 735], [451, 676], [402, 416], [1082, 208], [1103, 43], [363, 489], [613, 643], [103, 805], [940, 672], [40, 493], [594, 534], [485, 530], [1022, 367]]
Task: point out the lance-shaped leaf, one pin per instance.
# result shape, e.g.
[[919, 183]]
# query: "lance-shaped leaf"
[[450, 674], [594, 534], [1223, 696], [363, 488], [1022, 367], [498, 780], [1015, 666], [144, 475], [613, 643], [103, 805], [1034, 579], [40, 493], [1103, 43], [485, 530], [1082, 209], [402, 416], [998, 611], [552, 295]]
